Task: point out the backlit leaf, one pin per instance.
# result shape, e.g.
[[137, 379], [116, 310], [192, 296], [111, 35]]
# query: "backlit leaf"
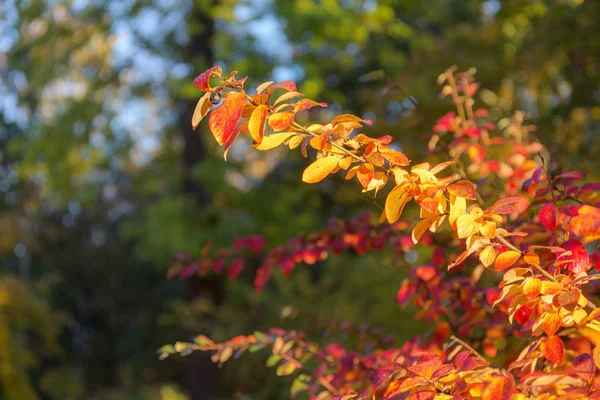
[[500, 388], [463, 189], [551, 322], [274, 140], [202, 81], [287, 96], [554, 349], [281, 120], [349, 118], [596, 355], [318, 170], [466, 225], [487, 256], [223, 120], [531, 258], [532, 287], [202, 108], [548, 216], [395, 202], [256, 123], [506, 259], [263, 86]]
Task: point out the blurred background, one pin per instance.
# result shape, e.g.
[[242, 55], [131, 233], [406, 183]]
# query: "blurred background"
[[103, 180]]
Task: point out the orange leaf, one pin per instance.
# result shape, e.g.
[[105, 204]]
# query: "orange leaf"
[[554, 349], [282, 120], [421, 228], [349, 118], [395, 202], [318, 170], [551, 322], [500, 388], [463, 189], [256, 124], [596, 355], [506, 259], [396, 157], [202, 108], [224, 119], [532, 259], [306, 104]]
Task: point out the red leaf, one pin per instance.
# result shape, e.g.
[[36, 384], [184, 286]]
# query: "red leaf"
[[554, 349], [223, 120], [548, 216], [287, 85], [202, 81], [425, 369], [579, 256], [235, 268], [504, 206]]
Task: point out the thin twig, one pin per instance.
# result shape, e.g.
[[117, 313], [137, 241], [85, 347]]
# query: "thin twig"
[[468, 347]]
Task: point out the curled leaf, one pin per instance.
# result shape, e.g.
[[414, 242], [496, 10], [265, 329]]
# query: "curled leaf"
[[202, 108], [202, 81], [256, 124]]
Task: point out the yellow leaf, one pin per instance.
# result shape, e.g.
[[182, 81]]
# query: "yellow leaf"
[[466, 225], [318, 170], [421, 228], [345, 162], [202, 108], [274, 140], [263, 86], [395, 202], [489, 229], [287, 96], [256, 124], [295, 141], [458, 207], [487, 256]]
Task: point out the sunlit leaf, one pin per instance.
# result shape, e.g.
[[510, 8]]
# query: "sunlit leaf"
[[506, 259], [318, 170], [281, 120], [256, 124], [223, 120]]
